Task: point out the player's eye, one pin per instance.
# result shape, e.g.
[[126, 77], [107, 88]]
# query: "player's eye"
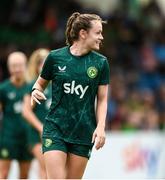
[[99, 32]]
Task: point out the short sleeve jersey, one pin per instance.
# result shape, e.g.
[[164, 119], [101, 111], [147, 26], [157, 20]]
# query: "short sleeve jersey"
[[75, 81], [11, 98]]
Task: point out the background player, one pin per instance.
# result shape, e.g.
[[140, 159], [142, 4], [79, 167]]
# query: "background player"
[[13, 132], [36, 115], [78, 75]]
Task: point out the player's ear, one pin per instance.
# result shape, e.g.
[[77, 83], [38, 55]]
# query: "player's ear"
[[83, 34]]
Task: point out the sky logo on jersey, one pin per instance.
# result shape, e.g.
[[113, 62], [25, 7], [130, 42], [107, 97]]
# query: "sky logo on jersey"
[[61, 69], [17, 107], [92, 72], [71, 88]]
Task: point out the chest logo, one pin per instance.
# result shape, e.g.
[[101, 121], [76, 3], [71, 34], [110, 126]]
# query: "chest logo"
[[17, 107], [61, 69], [92, 72], [71, 88]]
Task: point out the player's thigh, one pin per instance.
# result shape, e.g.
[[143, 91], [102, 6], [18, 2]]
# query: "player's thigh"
[[76, 166], [24, 167], [4, 168], [36, 151], [7, 154], [55, 154], [24, 158], [77, 159], [55, 163]]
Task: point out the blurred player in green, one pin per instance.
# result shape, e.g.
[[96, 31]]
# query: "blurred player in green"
[[36, 115], [13, 131], [79, 75]]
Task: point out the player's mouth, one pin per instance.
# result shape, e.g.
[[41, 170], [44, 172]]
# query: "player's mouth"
[[98, 43]]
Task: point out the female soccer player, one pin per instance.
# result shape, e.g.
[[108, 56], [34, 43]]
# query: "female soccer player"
[[78, 75], [13, 132], [36, 115]]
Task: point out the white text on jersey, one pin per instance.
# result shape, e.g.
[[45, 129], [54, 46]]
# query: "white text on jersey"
[[78, 89]]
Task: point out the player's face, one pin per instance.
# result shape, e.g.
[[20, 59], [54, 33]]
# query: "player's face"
[[94, 35], [17, 66]]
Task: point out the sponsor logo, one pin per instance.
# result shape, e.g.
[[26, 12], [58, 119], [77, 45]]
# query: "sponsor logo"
[[71, 88], [17, 107], [11, 95], [62, 69], [92, 72]]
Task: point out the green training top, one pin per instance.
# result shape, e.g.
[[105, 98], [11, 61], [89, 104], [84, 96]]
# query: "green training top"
[[11, 98], [75, 81]]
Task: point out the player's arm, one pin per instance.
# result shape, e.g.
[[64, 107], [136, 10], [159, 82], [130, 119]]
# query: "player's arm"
[[38, 89], [101, 111], [42, 81], [29, 115]]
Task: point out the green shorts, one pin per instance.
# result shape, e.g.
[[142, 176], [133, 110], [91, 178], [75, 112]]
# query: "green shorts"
[[33, 137], [14, 145], [50, 144], [19, 152], [14, 141]]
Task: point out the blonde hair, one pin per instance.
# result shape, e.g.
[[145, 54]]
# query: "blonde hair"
[[19, 56], [16, 54], [76, 22], [37, 56]]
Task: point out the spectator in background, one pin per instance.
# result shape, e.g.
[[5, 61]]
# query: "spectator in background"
[[149, 77], [161, 104], [134, 111], [36, 115], [116, 108], [151, 116], [13, 132]]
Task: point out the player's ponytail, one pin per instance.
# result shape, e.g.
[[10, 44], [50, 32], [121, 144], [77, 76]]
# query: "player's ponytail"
[[76, 22], [69, 25]]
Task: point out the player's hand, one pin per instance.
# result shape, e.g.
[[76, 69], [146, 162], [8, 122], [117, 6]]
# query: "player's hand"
[[36, 96], [99, 137]]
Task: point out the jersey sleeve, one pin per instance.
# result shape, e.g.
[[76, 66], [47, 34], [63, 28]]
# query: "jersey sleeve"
[[46, 72], [105, 74]]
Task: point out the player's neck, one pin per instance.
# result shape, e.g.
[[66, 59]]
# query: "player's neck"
[[17, 81], [78, 49]]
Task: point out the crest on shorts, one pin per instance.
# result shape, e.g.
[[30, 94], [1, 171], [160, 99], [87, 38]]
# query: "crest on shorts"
[[92, 72], [48, 142], [4, 153]]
